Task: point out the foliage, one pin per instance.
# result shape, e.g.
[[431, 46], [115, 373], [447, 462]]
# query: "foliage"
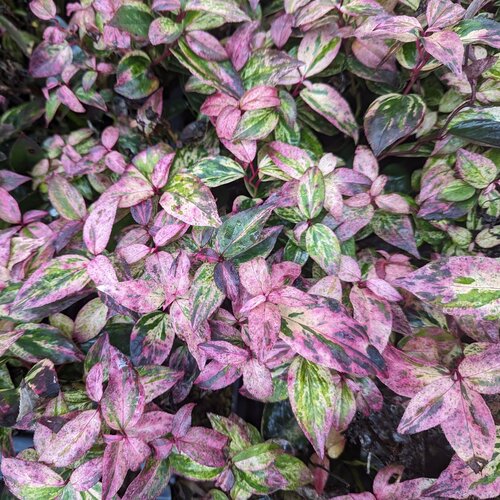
[[296, 199]]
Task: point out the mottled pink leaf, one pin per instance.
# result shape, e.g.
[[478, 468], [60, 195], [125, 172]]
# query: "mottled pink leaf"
[[447, 48], [383, 289], [224, 352], [482, 371], [204, 446], [69, 99], [114, 469], [257, 380], [443, 13], [281, 29], [9, 209], [43, 9], [137, 295], [94, 381], [50, 59], [255, 276], [86, 475], [206, 46], [99, 224], [264, 323], [262, 96]]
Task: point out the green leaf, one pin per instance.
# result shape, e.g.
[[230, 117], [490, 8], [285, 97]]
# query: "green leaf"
[[241, 231], [134, 18], [190, 469], [218, 170], [457, 190], [311, 392], [481, 126], [323, 247], [134, 78], [293, 470], [311, 193], [256, 124], [392, 117], [65, 198], [480, 29], [257, 457], [205, 296], [190, 201], [396, 230]]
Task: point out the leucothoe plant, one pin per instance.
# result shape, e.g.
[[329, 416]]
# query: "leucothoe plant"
[[247, 230]]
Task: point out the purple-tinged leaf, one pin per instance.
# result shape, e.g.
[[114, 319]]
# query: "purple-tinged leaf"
[[157, 380], [413, 489], [204, 446], [151, 339], [11, 180], [90, 320], [205, 45], [150, 482], [134, 78], [470, 429], [152, 425], [99, 224], [225, 353], [327, 102], [65, 198], [312, 394], [392, 117], [9, 209], [164, 31], [443, 13], [114, 469], [58, 279], [94, 381], [374, 313], [8, 338], [67, 97], [475, 169], [482, 371], [50, 59], [43, 9], [281, 29], [458, 286], [396, 230], [365, 162], [257, 380], [86, 475], [384, 26], [31, 479], [262, 96], [74, 439], [137, 295], [264, 323], [434, 404], [123, 400], [217, 376], [255, 276], [447, 48], [189, 200]]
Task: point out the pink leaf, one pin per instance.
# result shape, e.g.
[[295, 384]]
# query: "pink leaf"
[[206, 46], [447, 48], [264, 322], [383, 289], [224, 352], [262, 96], [443, 13], [94, 381], [365, 162], [281, 29], [43, 9], [257, 380], [255, 277], [204, 446], [9, 209], [86, 475], [151, 425], [114, 469], [68, 98], [482, 371], [123, 400], [109, 137], [99, 224], [137, 295]]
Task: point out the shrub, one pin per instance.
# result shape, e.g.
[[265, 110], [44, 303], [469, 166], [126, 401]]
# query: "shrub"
[[291, 203]]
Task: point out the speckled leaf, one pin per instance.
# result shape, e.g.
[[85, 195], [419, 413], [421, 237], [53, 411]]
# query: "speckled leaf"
[[73, 440], [447, 48], [480, 126], [151, 339], [134, 79], [204, 295], [65, 198], [90, 320], [392, 117], [458, 286], [396, 230], [190, 469], [327, 102], [190, 201], [31, 480], [229, 10], [157, 380], [43, 9], [324, 334], [216, 171], [134, 18], [57, 279], [311, 193], [50, 59], [434, 404], [475, 169], [323, 247], [470, 429], [317, 50], [123, 400], [137, 295], [150, 482], [164, 30], [292, 160], [99, 224], [9, 209], [311, 393], [482, 370]]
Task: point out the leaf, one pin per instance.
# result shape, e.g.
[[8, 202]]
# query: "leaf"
[[150, 482], [43, 9], [137, 295], [190, 201], [164, 30], [157, 380], [241, 231], [114, 469], [479, 126], [311, 193], [327, 102], [475, 169], [204, 295], [134, 18], [123, 401], [65, 198], [458, 286], [256, 124], [311, 392], [324, 334], [434, 404], [317, 50], [40, 341], [396, 230], [447, 48], [9, 209], [392, 117], [227, 9], [220, 75], [217, 170], [134, 79], [470, 429], [73, 440], [482, 370], [292, 160], [323, 247], [50, 59], [90, 320], [190, 469], [480, 29], [31, 480], [151, 339], [99, 224]]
